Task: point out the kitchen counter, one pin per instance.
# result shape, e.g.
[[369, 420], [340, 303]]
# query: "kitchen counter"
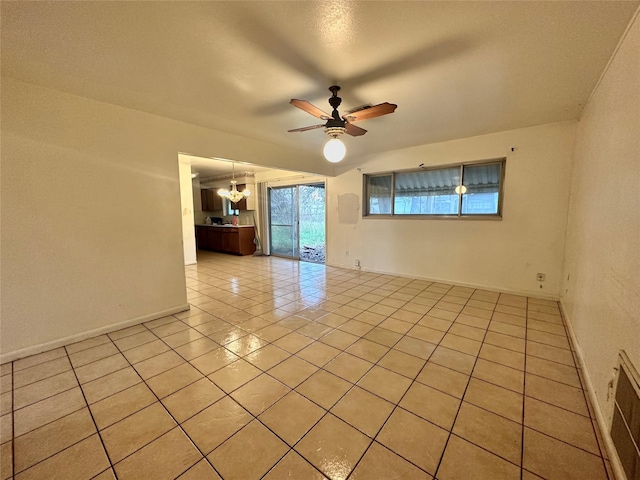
[[234, 239]]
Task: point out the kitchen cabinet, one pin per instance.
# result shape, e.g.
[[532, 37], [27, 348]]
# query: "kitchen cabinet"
[[232, 240], [211, 201]]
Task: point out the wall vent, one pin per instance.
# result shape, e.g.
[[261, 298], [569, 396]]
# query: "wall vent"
[[625, 424]]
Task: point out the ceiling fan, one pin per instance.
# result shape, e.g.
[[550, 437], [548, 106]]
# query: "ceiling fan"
[[334, 150]]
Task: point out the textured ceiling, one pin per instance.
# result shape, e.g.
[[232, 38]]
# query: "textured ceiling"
[[455, 69]]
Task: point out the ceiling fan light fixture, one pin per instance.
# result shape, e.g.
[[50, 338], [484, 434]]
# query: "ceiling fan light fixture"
[[334, 150]]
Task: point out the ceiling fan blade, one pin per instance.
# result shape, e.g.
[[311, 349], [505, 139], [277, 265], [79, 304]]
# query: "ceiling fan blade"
[[371, 112], [354, 131], [304, 129], [309, 108]]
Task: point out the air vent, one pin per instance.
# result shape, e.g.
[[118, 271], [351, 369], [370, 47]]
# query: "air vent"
[[625, 425]]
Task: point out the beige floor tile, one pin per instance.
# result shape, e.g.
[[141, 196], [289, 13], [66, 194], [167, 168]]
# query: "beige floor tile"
[[500, 375], [234, 375], [6, 383], [318, 353], [461, 344], [50, 439], [190, 400], [381, 463], [293, 371], [6, 428], [141, 338], [435, 323], [215, 360], [145, 351], [160, 363], [415, 439], [100, 368], [505, 341], [231, 458], [339, 339], [370, 317], [490, 431], [127, 332], [216, 423], [415, 347], [502, 356], [516, 320], [507, 329], [92, 354], [267, 357], [38, 359], [164, 458], [386, 384], [553, 371], [443, 379], [200, 471], [549, 352], [333, 447], [272, 333], [109, 384], [116, 407], [458, 361], [547, 327], [48, 410], [383, 336], [37, 391], [560, 424], [293, 342], [135, 431], [260, 393], [324, 388], [559, 341], [558, 394], [293, 467], [495, 399], [363, 410], [402, 363], [431, 404], [6, 405], [83, 460], [182, 338], [462, 457], [172, 380], [368, 350], [245, 345], [466, 331], [472, 321], [519, 311], [6, 465], [169, 329], [385, 310], [40, 371], [555, 460], [314, 330], [356, 327], [331, 320], [194, 349], [292, 416], [426, 334], [348, 367]]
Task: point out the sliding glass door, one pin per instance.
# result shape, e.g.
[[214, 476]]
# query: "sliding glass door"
[[297, 222], [283, 212]]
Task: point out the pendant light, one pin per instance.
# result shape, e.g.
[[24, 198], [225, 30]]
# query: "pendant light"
[[233, 195]]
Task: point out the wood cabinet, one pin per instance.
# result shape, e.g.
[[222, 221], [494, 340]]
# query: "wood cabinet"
[[233, 240], [211, 201]]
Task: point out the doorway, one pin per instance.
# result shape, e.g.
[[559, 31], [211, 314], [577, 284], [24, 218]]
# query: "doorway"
[[297, 222]]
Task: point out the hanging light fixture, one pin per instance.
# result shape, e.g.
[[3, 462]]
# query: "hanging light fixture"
[[334, 150], [233, 195]]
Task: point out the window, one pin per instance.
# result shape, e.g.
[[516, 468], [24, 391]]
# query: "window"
[[455, 190]]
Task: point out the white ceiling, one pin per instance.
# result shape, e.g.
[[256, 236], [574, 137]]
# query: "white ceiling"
[[455, 69]]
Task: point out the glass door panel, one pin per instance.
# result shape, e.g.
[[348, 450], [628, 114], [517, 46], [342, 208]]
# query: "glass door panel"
[[311, 207], [283, 210]]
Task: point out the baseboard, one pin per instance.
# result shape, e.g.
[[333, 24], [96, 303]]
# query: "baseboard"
[[535, 294], [611, 451], [61, 342]]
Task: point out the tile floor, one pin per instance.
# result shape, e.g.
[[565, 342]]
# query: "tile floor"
[[295, 370]]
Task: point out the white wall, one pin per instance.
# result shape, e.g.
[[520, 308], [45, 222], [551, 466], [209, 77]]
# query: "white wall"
[[186, 202], [601, 294], [91, 217], [504, 254]]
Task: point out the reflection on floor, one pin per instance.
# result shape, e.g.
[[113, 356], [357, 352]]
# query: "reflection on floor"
[[285, 369]]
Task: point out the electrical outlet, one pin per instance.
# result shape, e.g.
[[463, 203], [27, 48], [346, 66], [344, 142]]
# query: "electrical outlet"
[[540, 277], [358, 263]]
